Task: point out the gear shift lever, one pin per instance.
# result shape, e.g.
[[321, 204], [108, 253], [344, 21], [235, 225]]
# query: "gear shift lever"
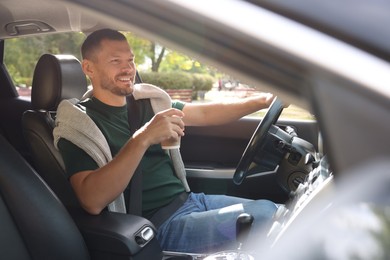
[[243, 226]]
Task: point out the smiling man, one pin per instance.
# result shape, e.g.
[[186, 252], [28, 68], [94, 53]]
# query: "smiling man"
[[186, 221]]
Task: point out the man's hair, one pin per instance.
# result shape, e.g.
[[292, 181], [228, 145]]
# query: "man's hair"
[[92, 42]]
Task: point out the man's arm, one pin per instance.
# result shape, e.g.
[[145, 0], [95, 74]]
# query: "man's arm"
[[221, 113], [95, 189]]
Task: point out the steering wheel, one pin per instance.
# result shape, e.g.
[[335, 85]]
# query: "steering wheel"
[[258, 140]]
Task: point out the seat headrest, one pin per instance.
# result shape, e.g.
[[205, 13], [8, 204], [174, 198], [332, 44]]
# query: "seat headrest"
[[57, 77]]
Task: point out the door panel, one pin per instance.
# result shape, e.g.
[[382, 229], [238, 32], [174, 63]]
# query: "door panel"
[[211, 155]]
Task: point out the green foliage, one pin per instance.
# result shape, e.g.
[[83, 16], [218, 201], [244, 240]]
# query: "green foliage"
[[169, 80], [23, 53], [175, 61], [179, 80], [202, 82]]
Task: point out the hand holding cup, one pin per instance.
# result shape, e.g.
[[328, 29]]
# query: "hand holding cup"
[[172, 142]]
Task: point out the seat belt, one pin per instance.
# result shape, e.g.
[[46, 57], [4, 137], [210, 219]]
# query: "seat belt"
[[135, 115], [135, 112]]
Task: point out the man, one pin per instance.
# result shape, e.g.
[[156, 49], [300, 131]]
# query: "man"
[[198, 224]]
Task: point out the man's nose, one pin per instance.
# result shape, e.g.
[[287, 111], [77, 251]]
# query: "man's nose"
[[128, 67]]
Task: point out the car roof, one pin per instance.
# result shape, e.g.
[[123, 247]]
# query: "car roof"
[[358, 22]]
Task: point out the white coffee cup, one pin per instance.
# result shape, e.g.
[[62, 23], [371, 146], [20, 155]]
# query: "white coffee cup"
[[171, 143]]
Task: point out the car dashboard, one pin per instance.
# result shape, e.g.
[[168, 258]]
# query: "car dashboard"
[[317, 182]]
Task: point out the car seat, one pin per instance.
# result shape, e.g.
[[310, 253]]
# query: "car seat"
[[34, 223], [56, 77]]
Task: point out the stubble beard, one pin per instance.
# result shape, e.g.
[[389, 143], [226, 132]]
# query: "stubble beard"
[[110, 85]]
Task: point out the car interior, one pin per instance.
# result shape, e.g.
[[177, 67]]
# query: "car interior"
[[281, 159], [58, 77]]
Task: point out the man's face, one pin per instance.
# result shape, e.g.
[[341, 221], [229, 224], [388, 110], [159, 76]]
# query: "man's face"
[[115, 68]]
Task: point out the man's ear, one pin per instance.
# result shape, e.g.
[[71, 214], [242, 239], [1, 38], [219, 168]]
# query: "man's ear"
[[88, 68]]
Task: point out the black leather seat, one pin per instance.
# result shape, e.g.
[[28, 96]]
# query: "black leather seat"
[[56, 77], [34, 224]]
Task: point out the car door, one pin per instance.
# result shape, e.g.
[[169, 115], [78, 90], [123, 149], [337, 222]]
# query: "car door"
[[211, 155]]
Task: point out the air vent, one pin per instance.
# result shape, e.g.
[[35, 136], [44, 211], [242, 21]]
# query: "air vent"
[[27, 27]]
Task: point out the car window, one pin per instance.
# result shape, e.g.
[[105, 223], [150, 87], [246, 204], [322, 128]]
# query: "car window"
[[228, 89], [22, 54], [199, 83]]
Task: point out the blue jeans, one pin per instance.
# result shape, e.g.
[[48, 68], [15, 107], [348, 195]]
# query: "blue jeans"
[[207, 223]]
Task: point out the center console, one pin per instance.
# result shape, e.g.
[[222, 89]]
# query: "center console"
[[117, 236]]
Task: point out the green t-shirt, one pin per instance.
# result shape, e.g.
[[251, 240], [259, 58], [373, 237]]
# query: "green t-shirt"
[[159, 182]]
